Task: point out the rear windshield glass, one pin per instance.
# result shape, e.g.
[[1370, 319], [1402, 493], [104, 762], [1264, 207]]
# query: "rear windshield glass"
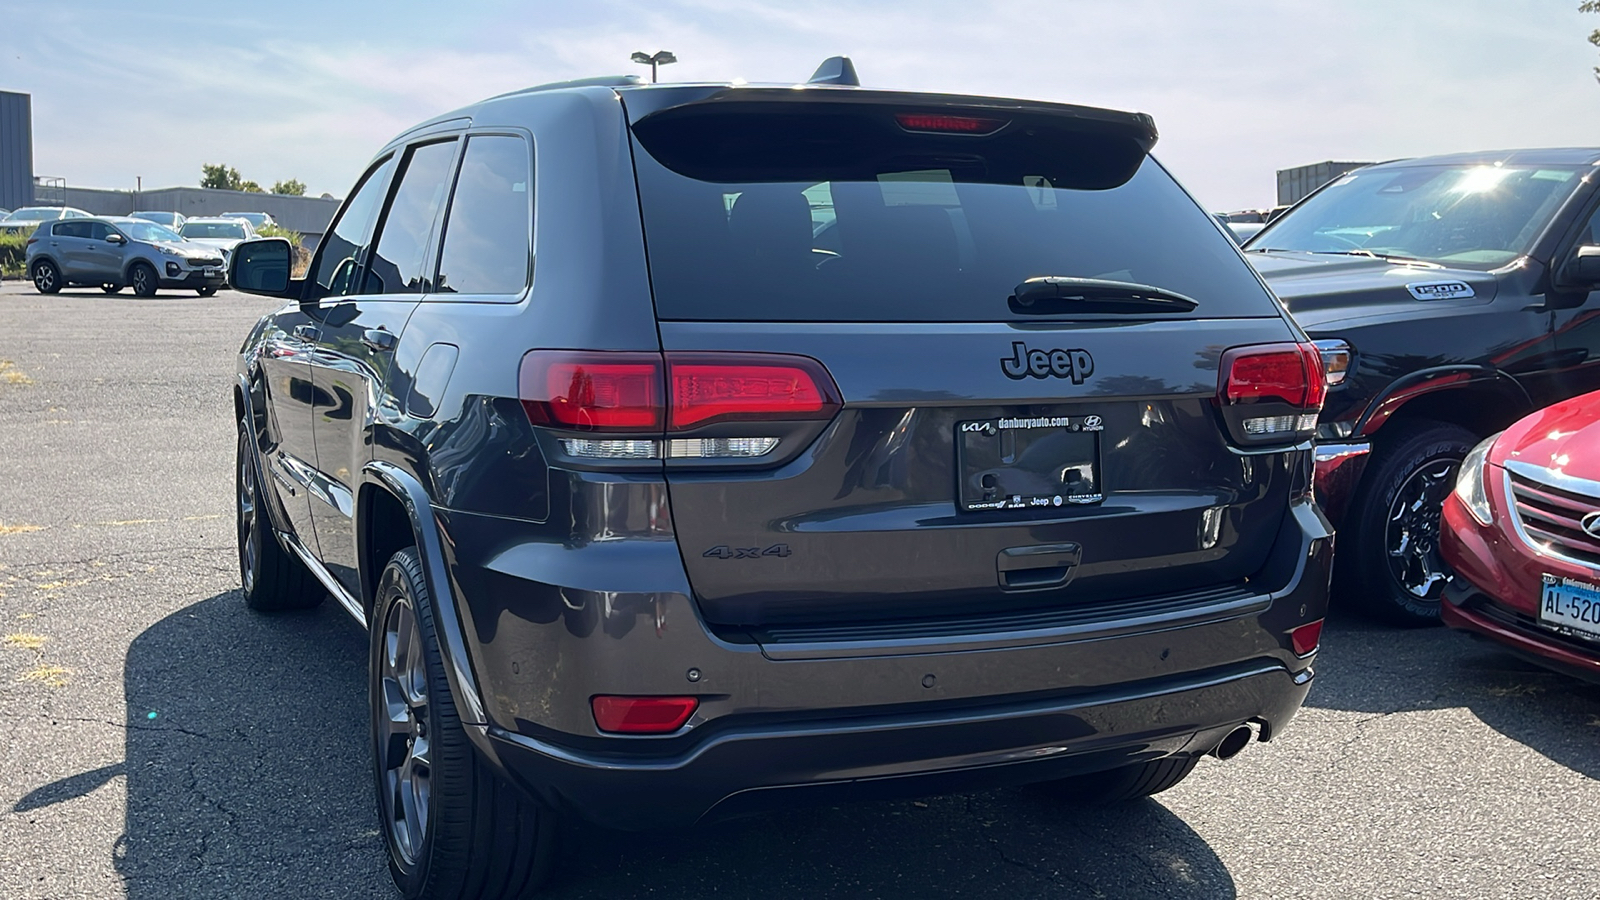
[[933, 237]]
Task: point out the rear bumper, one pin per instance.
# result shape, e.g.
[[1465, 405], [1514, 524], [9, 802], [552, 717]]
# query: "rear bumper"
[[549, 625], [769, 762]]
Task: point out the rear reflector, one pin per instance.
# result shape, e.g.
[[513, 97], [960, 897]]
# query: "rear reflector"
[[945, 124], [1306, 638], [642, 715]]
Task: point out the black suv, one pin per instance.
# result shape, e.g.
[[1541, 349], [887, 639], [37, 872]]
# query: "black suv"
[[1451, 295], [696, 450]]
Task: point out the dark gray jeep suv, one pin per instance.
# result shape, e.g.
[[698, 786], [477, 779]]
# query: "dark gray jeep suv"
[[691, 450]]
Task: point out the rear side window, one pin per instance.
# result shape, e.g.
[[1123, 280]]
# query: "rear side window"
[[486, 238], [851, 225], [70, 229], [398, 265]]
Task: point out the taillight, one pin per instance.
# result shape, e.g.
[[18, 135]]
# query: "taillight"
[[30, 242], [707, 388], [1306, 638], [654, 395], [642, 715], [1271, 392], [593, 391]]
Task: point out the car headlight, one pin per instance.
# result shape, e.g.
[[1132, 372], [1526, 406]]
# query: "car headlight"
[[1472, 480]]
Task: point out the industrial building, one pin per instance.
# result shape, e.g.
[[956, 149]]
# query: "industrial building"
[[16, 150], [1297, 183]]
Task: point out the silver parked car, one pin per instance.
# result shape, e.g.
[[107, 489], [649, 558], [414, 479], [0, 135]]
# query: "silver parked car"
[[118, 252], [28, 217]]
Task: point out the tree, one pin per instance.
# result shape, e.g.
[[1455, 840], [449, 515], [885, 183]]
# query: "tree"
[[221, 177], [1592, 6], [297, 188]]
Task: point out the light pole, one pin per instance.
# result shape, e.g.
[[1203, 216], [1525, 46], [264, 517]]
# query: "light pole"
[[661, 58]]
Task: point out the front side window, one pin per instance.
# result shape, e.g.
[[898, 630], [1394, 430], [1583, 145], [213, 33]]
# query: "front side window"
[[486, 249], [99, 231], [336, 263], [1477, 216], [398, 265]]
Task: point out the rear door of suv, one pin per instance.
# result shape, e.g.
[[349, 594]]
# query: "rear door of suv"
[[973, 445]]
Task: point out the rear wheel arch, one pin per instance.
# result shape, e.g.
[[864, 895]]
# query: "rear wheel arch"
[[384, 528], [1481, 407]]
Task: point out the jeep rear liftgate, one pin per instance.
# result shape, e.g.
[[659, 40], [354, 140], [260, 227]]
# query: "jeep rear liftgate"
[[1024, 319]]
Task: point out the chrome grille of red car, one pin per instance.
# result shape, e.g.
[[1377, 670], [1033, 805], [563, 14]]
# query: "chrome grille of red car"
[[1549, 519]]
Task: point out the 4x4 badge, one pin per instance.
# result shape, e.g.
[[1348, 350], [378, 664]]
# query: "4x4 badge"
[[1025, 363]]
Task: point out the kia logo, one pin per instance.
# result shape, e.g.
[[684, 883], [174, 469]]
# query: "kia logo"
[[1591, 524]]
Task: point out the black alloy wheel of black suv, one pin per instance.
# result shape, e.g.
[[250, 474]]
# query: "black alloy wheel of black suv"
[[1452, 295], [689, 451]]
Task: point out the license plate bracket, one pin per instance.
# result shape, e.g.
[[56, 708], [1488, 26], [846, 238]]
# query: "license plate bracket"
[[1013, 462], [1570, 606]]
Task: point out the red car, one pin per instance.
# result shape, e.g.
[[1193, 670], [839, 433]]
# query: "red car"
[[1522, 529]]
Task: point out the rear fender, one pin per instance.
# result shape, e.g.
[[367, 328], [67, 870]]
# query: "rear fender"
[[1487, 383], [435, 571]]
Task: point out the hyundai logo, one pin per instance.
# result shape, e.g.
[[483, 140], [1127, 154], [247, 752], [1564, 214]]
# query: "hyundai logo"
[[1591, 524]]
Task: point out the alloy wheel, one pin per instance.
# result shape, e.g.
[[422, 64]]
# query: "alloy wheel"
[[1411, 536], [44, 278], [404, 746]]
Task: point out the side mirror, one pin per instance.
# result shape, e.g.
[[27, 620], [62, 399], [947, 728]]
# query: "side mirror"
[[261, 266], [1582, 268], [114, 238]]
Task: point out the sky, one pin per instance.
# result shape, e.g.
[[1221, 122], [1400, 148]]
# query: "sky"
[[311, 89]]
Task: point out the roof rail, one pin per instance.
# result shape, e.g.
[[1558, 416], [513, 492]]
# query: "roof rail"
[[836, 70], [596, 81]]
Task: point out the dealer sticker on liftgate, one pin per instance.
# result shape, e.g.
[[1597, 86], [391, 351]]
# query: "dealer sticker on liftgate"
[[1571, 606], [1029, 463]]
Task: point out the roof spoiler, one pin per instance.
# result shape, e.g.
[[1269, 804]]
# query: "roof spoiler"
[[836, 70]]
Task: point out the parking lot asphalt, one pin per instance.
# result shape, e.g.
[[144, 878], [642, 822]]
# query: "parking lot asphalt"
[[161, 741]]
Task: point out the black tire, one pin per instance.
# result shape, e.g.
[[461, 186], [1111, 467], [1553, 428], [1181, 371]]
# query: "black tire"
[[46, 277], [1124, 784], [475, 837], [144, 280], [205, 291], [1388, 561], [111, 288], [273, 579]]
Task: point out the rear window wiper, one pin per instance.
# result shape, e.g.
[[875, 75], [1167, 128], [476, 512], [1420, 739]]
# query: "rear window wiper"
[[1047, 295]]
